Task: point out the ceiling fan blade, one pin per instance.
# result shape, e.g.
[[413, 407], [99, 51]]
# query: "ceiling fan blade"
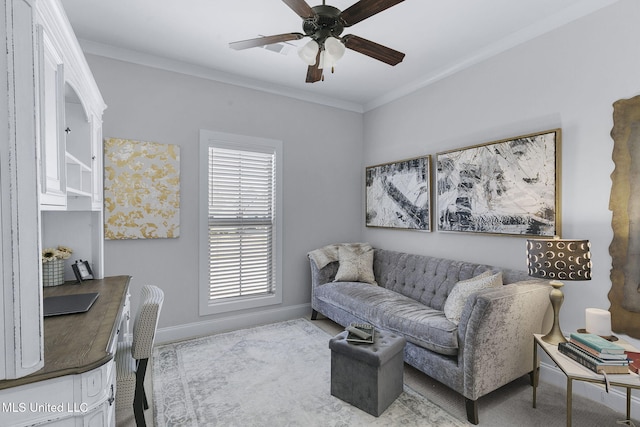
[[263, 41], [372, 49], [365, 9], [314, 73], [300, 7]]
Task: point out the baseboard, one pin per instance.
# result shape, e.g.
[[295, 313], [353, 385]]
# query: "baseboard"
[[615, 399], [228, 323]]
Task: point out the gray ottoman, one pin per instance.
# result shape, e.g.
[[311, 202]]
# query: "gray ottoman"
[[368, 376]]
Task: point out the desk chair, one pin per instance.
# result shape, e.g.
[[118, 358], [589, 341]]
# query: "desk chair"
[[132, 356]]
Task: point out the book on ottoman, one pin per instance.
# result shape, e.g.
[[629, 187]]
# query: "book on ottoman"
[[361, 333]]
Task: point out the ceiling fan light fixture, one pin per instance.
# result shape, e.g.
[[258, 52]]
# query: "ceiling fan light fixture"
[[309, 52], [333, 51], [324, 25], [335, 48], [322, 63]]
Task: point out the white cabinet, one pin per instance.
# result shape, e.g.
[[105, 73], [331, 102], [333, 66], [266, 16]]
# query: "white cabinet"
[[52, 147], [44, 81], [77, 385], [21, 337], [97, 164], [71, 109], [71, 118], [86, 399]]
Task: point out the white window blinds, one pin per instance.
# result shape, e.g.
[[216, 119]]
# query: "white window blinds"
[[241, 222]]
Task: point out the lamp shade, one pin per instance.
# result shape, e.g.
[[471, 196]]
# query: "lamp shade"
[[308, 52], [334, 50], [322, 59], [559, 259]]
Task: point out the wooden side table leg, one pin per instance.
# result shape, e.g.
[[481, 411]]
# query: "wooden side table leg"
[[569, 400]]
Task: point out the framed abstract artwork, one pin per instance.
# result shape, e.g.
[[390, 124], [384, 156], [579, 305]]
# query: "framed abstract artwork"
[[398, 194], [509, 187], [141, 190]]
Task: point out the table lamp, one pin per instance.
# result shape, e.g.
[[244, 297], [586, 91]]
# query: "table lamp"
[[558, 260]]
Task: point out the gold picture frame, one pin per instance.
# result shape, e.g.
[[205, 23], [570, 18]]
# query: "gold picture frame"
[[398, 194], [505, 187]]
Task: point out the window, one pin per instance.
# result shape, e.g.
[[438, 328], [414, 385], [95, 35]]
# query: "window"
[[240, 225]]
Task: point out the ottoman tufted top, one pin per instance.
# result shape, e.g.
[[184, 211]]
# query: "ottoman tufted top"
[[386, 345]]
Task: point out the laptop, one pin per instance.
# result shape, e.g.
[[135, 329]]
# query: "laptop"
[[68, 304]]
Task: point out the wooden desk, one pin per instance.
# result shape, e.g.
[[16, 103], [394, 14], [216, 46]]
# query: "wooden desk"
[[79, 352], [576, 372]]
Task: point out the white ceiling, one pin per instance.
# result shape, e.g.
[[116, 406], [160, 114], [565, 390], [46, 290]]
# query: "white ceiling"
[[439, 37]]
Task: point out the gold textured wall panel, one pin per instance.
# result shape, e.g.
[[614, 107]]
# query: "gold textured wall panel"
[[625, 204], [141, 189]]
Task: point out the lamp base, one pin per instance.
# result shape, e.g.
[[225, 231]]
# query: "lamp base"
[[555, 335]]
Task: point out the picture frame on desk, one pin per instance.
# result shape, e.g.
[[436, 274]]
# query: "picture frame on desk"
[[82, 270]]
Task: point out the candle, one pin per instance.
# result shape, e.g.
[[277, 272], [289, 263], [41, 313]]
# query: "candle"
[[598, 321]]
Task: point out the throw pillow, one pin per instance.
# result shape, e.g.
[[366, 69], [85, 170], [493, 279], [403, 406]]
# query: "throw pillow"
[[463, 289], [356, 265]]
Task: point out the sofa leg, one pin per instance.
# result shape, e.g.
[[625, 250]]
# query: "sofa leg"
[[314, 314], [472, 411]]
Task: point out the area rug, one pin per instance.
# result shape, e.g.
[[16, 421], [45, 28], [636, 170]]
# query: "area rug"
[[274, 375]]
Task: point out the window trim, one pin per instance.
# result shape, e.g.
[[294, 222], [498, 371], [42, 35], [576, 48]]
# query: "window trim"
[[236, 142]]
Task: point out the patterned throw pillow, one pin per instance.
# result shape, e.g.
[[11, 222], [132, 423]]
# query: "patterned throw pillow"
[[463, 289], [356, 265]]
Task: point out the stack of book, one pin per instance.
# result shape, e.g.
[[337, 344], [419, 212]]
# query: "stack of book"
[[360, 333], [596, 353]]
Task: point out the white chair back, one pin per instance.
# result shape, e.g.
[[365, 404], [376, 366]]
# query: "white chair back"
[[146, 322]]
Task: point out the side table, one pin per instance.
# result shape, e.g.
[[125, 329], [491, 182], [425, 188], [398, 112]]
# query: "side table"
[[576, 372]]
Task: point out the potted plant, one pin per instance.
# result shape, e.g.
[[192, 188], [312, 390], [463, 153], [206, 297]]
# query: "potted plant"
[[53, 265]]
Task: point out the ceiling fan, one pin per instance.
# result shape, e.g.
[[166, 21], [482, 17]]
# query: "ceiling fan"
[[324, 25]]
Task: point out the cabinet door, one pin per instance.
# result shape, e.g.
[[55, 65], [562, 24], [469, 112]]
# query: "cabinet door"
[[21, 343], [52, 147], [96, 163]]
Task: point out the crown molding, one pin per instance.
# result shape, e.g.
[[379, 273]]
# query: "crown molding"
[[526, 34], [166, 64]]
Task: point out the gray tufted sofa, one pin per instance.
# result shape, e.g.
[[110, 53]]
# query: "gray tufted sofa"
[[491, 346]]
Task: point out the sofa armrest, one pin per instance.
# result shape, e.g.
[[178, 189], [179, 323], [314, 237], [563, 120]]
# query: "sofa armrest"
[[495, 335], [320, 276]]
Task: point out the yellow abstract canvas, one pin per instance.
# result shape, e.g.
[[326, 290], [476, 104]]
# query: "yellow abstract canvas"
[[141, 189]]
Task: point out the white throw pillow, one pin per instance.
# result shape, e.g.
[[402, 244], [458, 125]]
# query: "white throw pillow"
[[463, 289], [356, 265]]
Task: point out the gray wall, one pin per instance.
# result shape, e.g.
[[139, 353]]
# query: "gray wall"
[[568, 78], [322, 170]]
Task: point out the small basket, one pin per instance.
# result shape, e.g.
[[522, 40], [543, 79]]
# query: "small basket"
[[53, 273]]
